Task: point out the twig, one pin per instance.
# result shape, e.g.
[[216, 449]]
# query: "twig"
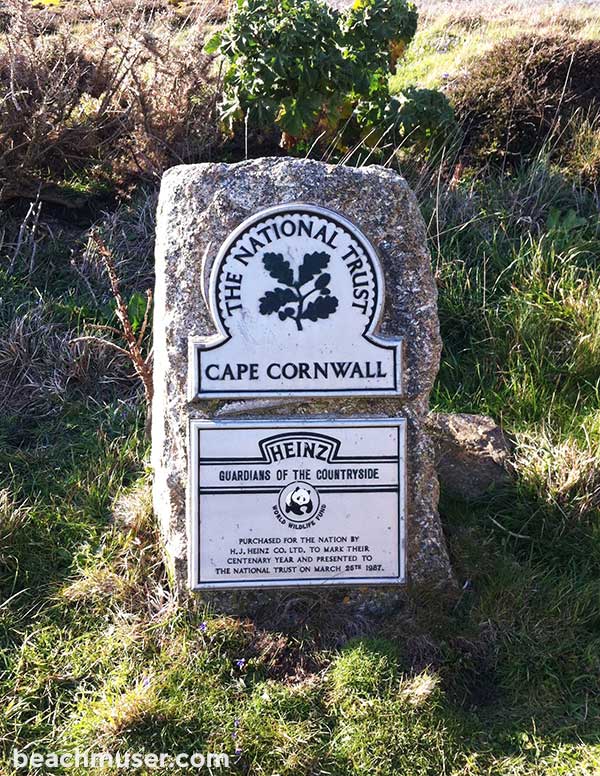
[[20, 236], [146, 312], [140, 363], [509, 532], [100, 341], [34, 226]]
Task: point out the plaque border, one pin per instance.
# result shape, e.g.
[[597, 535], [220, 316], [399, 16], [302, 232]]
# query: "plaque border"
[[198, 344], [195, 427]]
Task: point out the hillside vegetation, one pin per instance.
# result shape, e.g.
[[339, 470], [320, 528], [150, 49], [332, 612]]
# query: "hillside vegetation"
[[501, 680]]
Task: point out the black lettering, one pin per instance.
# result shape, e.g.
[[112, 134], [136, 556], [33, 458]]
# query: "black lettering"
[[231, 307], [305, 227], [321, 454], [354, 266], [276, 453], [289, 371], [264, 232], [309, 449], [256, 243], [243, 254], [360, 275], [331, 240], [361, 307], [340, 368]]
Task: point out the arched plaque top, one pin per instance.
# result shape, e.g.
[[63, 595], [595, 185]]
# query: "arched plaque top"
[[314, 241], [296, 292]]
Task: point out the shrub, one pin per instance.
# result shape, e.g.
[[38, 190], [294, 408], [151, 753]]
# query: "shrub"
[[286, 64], [80, 113], [424, 118], [318, 73], [521, 95], [41, 366], [53, 113]]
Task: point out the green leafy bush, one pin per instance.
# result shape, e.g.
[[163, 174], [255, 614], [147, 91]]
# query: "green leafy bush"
[[286, 63], [315, 72], [422, 114]]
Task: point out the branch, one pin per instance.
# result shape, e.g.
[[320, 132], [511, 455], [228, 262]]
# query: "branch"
[[145, 321], [134, 351]]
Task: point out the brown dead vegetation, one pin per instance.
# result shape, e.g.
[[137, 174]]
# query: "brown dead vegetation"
[[122, 99], [525, 94], [41, 366]]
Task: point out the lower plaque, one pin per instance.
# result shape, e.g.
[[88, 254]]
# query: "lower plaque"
[[297, 503]]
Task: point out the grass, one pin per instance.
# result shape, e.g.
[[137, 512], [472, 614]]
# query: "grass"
[[95, 653], [451, 37]]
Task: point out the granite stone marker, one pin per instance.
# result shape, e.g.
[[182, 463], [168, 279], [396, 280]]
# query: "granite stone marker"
[[296, 343]]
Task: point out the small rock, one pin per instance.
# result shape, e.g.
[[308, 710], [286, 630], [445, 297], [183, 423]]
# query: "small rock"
[[473, 454]]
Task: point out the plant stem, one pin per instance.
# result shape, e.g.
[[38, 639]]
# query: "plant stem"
[[301, 300], [299, 313]]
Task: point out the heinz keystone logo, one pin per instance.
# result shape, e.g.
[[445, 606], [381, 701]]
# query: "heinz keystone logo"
[[296, 292], [299, 445]]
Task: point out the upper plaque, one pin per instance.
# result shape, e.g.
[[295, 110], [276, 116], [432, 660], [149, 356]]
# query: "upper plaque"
[[296, 292]]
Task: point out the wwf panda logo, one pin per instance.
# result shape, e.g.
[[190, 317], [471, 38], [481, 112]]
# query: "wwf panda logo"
[[298, 501]]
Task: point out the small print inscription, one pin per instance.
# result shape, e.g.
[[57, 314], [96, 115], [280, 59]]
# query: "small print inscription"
[[296, 292], [297, 503]]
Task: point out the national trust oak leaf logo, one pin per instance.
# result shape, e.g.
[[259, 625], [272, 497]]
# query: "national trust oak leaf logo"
[[290, 300]]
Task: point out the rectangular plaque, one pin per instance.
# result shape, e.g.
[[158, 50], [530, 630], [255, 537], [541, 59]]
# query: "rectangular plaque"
[[297, 503]]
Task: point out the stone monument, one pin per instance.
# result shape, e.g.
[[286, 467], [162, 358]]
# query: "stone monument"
[[295, 346]]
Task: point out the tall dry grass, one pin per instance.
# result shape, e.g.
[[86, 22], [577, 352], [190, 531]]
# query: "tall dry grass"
[[128, 95]]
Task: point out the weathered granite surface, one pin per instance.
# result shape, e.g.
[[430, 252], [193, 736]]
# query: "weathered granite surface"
[[199, 206], [473, 454]]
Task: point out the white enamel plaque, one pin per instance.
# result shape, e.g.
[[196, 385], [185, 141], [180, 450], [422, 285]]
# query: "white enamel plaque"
[[296, 292], [297, 503]]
